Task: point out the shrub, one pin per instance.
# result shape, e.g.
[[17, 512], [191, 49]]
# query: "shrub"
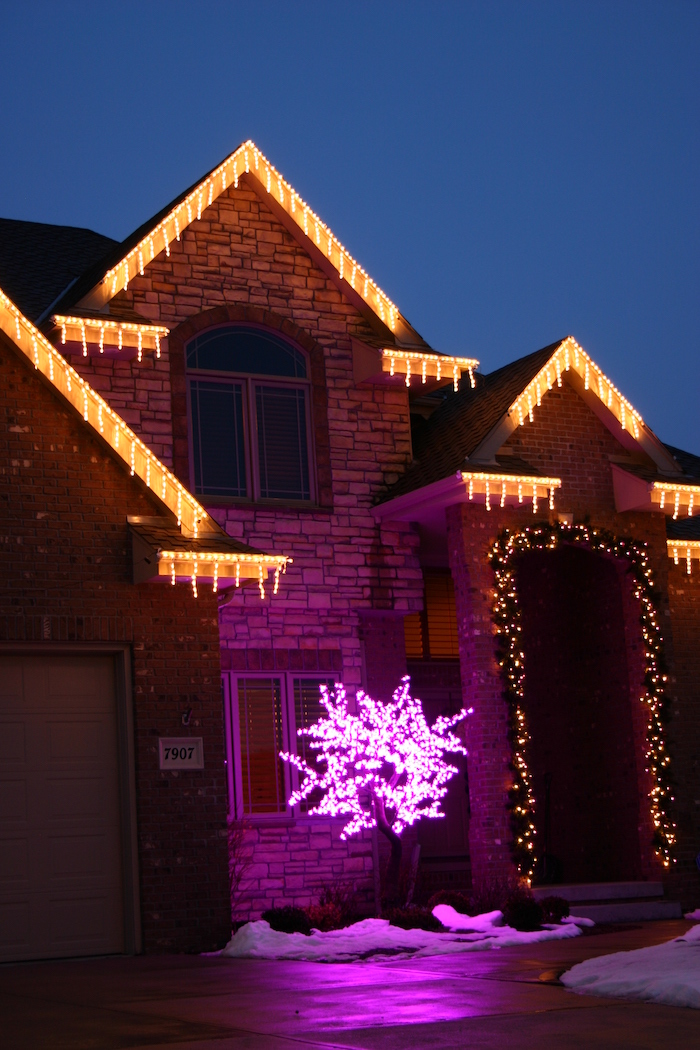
[[325, 917], [414, 919], [522, 911], [555, 908], [336, 908], [491, 894], [288, 920], [459, 901]]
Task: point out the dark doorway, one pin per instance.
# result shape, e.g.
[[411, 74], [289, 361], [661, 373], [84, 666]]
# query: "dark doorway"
[[577, 704]]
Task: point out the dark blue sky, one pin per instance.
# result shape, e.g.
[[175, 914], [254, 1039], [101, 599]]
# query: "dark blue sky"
[[508, 172]]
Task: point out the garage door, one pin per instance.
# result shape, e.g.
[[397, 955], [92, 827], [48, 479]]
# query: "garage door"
[[60, 836]]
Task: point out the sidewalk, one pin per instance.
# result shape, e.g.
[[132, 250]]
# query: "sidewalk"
[[489, 999]]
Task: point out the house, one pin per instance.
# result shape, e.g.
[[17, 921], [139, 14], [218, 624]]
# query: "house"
[[247, 404]]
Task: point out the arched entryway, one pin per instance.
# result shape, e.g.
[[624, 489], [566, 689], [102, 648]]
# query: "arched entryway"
[[577, 703]]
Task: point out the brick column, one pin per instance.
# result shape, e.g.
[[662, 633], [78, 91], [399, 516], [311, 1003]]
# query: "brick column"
[[469, 542]]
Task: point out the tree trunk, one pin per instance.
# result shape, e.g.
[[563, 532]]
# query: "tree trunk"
[[391, 884]]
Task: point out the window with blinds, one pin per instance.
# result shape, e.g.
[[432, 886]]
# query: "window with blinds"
[[266, 714], [307, 710], [263, 773], [250, 422], [433, 634]]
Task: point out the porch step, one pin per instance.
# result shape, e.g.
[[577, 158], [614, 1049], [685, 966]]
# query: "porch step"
[[629, 911], [601, 891], [615, 901]]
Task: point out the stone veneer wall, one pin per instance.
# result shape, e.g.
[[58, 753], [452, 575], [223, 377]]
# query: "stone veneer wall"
[[239, 263], [293, 862]]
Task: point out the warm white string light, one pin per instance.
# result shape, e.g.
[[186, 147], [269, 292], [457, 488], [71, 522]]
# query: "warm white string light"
[[584, 366], [507, 621], [275, 184], [480, 482], [413, 362]]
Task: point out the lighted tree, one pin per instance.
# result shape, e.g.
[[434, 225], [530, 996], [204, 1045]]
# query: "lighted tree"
[[384, 765]]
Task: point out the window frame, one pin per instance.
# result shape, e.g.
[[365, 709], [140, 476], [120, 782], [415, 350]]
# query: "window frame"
[[234, 764], [250, 381]]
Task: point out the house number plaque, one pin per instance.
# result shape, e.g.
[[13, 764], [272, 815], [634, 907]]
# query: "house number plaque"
[[181, 752]]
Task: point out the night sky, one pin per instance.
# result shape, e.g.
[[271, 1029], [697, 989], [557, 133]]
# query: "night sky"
[[509, 173]]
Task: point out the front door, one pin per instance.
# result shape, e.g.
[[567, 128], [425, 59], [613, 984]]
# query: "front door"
[[581, 753]]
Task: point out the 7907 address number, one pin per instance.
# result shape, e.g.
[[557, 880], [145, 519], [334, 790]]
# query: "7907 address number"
[[181, 752]]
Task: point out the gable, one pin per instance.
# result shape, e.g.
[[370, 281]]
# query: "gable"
[[239, 253], [568, 440], [195, 553], [570, 362], [248, 167]]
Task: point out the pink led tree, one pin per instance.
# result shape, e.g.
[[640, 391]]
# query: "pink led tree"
[[384, 765]]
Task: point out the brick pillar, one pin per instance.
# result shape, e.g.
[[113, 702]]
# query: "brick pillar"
[[487, 728]]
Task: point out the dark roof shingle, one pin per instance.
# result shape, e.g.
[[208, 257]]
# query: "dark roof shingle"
[[38, 261], [458, 427]]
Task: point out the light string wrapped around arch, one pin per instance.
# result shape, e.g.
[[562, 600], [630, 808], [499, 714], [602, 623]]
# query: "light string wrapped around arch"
[[511, 659]]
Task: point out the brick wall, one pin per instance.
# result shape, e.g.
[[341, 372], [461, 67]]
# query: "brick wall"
[[569, 441], [66, 564]]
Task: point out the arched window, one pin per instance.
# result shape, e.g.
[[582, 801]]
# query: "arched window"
[[249, 398]]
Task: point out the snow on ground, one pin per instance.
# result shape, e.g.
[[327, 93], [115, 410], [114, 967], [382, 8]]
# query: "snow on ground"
[[666, 973], [373, 937]]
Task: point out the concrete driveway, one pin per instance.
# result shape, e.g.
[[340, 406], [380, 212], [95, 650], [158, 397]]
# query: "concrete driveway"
[[495, 999]]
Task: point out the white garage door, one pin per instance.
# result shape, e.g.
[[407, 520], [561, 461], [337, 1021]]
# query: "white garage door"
[[60, 836]]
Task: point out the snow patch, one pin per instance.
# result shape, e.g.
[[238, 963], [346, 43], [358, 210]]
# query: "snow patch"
[[371, 937], [665, 973]]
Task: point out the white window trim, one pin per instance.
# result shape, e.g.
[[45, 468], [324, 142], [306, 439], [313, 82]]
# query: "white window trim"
[[234, 766]]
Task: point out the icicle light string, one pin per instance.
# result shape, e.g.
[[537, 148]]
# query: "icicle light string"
[[85, 330], [531, 397], [132, 451], [511, 486], [691, 550], [272, 182], [423, 365], [511, 658], [681, 494]]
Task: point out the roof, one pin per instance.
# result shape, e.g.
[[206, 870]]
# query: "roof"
[[38, 261], [162, 534], [457, 428], [683, 529], [182, 513], [686, 460], [99, 283]]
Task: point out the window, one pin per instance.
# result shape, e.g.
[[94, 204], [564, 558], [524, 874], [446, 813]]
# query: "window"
[[263, 716], [433, 634], [249, 398]]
